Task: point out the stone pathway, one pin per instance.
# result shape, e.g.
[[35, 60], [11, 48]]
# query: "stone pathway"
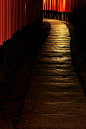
[[55, 98]]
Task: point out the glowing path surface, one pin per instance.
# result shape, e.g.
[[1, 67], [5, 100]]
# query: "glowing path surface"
[[55, 99]]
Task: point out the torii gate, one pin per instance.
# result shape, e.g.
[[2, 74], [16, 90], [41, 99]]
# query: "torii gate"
[[57, 5]]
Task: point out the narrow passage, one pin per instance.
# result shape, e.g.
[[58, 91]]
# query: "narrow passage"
[[55, 98]]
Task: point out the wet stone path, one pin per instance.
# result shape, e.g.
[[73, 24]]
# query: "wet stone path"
[[55, 98]]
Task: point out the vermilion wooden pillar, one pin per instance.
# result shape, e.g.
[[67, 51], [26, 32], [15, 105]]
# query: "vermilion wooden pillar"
[[21, 15], [58, 5], [47, 4], [54, 5], [1, 21], [18, 14], [25, 6], [16, 3], [13, 17], [27, 12], [5, 20], [72, 5], [31, 11], [44, 4], [14, 22], [9, 21], [34, 10], [23, 12]]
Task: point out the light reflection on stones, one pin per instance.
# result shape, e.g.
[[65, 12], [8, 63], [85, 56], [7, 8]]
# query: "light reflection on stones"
[[55, 94]]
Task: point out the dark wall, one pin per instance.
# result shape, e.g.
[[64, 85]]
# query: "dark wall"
[[78, 16]]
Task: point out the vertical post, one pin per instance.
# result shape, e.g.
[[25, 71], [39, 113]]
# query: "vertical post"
[[51, 8], [18, 13], [1, 42], [48, 8], [56, 9], [41, 9], [27, 11], [5, 20], [9, 19], [59, 9]]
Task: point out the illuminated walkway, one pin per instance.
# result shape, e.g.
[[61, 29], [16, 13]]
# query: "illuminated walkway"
[[55, 99]]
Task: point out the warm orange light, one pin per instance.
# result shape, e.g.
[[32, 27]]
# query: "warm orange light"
[[49, 4], [54, 5], [44, 1], [44, 5], [60, 5], [63, 5]]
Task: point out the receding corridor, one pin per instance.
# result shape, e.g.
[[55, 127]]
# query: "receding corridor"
[[42, 64], [55, 98]]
